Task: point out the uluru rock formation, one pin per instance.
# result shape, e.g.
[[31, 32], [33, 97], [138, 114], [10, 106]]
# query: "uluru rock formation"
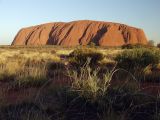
[[81, 32]]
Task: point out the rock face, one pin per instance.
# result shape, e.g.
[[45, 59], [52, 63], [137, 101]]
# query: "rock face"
[[80, 33]]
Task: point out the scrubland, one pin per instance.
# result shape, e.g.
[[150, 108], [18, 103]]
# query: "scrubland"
[[82, 83]]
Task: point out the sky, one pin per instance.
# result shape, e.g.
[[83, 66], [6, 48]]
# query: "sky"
[[16, 14]]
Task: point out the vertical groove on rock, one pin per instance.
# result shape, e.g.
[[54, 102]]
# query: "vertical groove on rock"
[[66, 35], [52, 39], [99, 35], [84, 34], [28, 37]]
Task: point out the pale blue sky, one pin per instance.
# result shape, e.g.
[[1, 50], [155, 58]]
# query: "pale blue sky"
[[15, 14]]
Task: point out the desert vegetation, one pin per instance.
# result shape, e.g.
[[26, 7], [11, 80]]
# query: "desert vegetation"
[[83, 83]]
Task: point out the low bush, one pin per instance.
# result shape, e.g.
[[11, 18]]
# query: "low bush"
[[137, 58], [79, 57]]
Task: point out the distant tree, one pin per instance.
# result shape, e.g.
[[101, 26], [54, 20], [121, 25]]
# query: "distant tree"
[[151, 43], [158, 45]]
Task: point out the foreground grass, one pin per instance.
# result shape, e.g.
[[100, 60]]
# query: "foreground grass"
[[49, 83]]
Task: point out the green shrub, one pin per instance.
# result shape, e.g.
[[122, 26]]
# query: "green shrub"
[[137, 58], [79, 57]]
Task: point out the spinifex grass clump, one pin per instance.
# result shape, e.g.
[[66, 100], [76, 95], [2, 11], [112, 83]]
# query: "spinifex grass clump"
[[87, 82], [79, 57], [86, 90]]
